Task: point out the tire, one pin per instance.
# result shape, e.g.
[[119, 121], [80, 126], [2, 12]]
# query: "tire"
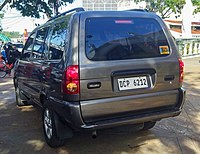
[[2, 71], [49, 127], [148, 125], [21, 100]]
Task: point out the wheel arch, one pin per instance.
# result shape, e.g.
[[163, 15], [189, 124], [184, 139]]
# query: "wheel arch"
[[43, 98]]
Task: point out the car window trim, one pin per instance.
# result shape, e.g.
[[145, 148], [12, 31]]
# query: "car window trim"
[[45, 40]]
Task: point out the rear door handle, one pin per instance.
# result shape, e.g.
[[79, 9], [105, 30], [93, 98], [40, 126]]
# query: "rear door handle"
[[169, 77]]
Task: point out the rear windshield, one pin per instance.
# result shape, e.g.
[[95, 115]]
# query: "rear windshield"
[[124, 38]]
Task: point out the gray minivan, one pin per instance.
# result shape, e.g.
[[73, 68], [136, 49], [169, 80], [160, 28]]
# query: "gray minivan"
[[90, 70]]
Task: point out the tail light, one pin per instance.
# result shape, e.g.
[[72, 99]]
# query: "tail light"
[[71, 84], [181, 73]]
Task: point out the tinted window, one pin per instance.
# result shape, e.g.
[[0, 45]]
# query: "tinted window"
[[124, 38], [29, 42], [58, 41], [40, 47], [28, 47]]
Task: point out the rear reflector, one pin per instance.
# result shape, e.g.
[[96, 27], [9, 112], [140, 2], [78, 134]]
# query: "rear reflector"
[[71, 83], [181, 73]]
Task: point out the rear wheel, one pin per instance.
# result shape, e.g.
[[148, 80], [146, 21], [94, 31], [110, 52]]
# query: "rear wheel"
[[49, 127], [148, 125]]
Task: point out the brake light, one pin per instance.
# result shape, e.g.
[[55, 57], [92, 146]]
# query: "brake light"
[[71, 83], [123, 21], [181, 73]]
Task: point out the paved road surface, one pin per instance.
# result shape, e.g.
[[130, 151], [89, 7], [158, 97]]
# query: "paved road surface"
[[21, 131]]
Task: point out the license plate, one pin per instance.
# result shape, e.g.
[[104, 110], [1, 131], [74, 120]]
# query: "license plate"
[[132, 83]]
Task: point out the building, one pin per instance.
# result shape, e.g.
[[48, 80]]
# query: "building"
[[176, 28], [100, 4], [109, 5]]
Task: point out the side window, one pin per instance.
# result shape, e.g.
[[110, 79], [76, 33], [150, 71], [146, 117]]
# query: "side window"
[[58, 41], [26, 53], [40, 47]]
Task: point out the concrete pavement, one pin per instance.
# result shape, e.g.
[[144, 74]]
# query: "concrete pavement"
[[21, 128]]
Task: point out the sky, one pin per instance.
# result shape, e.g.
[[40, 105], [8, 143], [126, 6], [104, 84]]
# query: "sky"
[[13, 21]]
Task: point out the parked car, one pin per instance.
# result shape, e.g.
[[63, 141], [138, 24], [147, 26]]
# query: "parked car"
[[19, 46], [90, 70]]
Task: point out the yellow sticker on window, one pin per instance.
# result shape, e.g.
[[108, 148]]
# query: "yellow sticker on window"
[[164, 50]]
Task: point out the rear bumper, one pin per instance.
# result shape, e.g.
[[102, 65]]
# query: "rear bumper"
[[74, 117], [132, 120]]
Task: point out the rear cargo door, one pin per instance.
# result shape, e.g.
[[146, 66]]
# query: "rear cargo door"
[[121, 57]]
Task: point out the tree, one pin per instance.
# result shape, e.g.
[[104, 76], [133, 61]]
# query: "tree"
[[33, 8], [11, 34], [196, 3], [164, 7]]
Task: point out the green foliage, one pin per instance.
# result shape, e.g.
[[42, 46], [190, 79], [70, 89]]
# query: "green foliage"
[[11, 34], [1, 15], [196, 3], [164, 7], [167, 7], [32, 8]]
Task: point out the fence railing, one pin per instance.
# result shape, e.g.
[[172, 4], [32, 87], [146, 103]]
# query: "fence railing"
[[188, 47]]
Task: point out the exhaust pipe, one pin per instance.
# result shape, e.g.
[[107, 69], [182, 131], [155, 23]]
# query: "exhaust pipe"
[[94, 134]]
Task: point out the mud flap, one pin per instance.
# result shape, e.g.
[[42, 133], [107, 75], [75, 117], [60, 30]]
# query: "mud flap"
[[63, 131]]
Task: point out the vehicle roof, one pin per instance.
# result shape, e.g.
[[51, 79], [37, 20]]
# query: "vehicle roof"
[[86, 14], [119, 13]]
